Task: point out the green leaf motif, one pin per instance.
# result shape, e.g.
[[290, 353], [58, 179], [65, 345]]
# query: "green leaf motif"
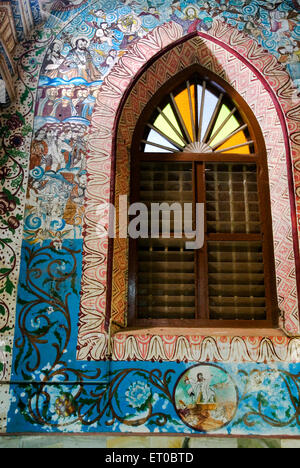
[[9, 287], [40, 51], [24, 96], [26, 130], [3, 271]]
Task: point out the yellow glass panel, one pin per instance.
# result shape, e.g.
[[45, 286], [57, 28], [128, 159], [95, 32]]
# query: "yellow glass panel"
[[228, 128], [183, 104], [237, 139], [164, 127]]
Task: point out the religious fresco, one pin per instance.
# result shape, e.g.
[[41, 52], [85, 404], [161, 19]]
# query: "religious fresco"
[[188, 385], [206, 398]]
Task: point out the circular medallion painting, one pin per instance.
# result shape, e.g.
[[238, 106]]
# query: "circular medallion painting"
[[206, 398]]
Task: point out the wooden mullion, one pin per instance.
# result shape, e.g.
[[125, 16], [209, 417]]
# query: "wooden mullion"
[[220, 143], [133, 248], [201, 254], [180, 119], [220, 128], [171, 125], [198, 157], [268, 245], [193, 121], [204, 323], [200, 124], [196, 259]]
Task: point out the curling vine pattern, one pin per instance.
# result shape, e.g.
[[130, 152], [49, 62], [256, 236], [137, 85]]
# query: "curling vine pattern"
[[54, 394], [79, 396], [279, 409]]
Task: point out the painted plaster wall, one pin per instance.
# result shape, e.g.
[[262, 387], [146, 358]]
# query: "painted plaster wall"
[[44, 387]]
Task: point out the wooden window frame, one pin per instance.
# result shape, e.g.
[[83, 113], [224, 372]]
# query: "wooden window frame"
[[259, 157]]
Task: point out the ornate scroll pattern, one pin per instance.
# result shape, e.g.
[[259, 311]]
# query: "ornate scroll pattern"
[[72, 399], [277, 410], [147, 398], [45, 312], [223, 62]]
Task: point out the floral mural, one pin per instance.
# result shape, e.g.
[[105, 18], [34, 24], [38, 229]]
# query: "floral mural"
[[226, 386]]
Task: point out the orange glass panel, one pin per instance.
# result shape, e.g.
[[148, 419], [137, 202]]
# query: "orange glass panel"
[[235, 140], [183, 103]]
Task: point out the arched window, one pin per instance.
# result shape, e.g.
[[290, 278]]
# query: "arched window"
[[198, 142]]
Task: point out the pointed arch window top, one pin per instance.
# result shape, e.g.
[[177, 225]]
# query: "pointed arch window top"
[[197, 118]]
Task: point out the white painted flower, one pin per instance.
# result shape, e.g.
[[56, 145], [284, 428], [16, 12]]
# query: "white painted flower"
[[138, 394]]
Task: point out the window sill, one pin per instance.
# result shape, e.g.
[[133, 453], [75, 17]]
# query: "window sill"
[[228, 332]]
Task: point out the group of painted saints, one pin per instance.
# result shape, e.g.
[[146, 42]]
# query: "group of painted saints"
[[66, 102]]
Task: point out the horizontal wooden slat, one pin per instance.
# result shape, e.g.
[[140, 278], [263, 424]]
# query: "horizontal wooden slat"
[[237, 314], [243, 290], [165, 267], [166, 196], [169, 245], [166, 277], [241, 311], [235, 278], [165, 256], [240, 257], [227, 267], [182, 298], [240, 301], [167, 312], [175, 289]]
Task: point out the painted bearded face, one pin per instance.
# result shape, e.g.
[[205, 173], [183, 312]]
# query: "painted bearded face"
[[191, 13], [82, 44], [52, 93]]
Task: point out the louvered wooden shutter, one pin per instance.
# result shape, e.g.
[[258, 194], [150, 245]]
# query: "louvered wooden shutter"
[[166, 270], [235, 268], [236, 286]]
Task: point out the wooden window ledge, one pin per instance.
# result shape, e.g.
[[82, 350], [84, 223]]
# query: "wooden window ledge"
[[243, 332]]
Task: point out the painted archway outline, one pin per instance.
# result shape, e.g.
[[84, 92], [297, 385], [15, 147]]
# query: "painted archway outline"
[[253, 72]]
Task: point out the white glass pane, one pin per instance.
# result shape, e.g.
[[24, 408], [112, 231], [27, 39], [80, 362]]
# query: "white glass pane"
[[209, 106], [156, 138]]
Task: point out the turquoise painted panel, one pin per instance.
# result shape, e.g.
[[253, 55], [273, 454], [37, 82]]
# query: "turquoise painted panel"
[[51, 391]]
